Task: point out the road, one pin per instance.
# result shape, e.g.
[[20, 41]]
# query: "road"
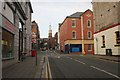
[[80, 66]]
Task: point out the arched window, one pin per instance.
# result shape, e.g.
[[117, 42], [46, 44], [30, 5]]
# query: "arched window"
[[89, 23], [73, 35]]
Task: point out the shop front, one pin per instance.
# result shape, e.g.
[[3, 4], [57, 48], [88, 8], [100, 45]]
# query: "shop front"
[[7, 39], [7, 44]]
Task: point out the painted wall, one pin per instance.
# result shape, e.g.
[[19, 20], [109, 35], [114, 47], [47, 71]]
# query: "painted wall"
[[110, 41]]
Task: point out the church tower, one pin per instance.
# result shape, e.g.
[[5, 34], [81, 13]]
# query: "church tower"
[[50, 32]]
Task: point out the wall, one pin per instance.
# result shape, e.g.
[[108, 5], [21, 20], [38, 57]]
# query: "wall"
[[28, 31], [88, 15], [8, 13], [110, 41], [105, 14], [0, 40], [66, 31]]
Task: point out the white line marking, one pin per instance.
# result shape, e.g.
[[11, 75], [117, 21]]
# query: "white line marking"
[[105, 72], [76, 60], [79, 61]]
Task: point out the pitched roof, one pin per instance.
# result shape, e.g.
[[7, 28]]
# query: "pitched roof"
[[75, 15]]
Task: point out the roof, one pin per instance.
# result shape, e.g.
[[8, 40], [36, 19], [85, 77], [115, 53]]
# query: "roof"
[[75, 15]]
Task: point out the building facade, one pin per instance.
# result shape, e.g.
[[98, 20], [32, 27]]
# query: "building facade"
[[76, 33], [107, 28], [56, 40], [14, 18], [35, 36], [0, 39]]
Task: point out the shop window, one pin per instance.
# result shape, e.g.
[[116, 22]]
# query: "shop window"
[[117, 38], [103, 42], [89, 47], [73, 35], [73, 23], [7, 44]]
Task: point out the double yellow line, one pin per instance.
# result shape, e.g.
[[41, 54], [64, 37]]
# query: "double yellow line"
[[48, 70]]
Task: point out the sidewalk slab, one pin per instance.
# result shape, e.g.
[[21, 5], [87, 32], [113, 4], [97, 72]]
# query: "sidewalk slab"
[[26, 69]]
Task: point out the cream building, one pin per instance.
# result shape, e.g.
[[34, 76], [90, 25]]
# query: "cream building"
[[107, 28]]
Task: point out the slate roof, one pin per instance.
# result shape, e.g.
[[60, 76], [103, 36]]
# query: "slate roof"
[[76, 15]]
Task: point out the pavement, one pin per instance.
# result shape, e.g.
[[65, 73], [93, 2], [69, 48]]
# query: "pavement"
[[25, 69]]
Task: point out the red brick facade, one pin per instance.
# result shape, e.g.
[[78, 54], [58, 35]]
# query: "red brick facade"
[[66, 31]]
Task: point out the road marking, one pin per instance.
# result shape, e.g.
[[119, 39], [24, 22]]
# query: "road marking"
[[76, 60], [49, 71], [79, 61], [69, 57], [105, 72]]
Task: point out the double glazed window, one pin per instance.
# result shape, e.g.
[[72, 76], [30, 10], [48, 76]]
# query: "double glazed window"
[[89, 47], [73, 35], [89, 23], [103, 41], [89, 35], [73, 23], [117, 37]]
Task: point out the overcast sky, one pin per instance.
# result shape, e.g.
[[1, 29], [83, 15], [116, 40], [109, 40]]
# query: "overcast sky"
[[52, 12]]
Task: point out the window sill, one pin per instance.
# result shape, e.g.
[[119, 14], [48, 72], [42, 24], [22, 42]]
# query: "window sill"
[[117, 45], [4, 59], [89, 50], [102, 46]]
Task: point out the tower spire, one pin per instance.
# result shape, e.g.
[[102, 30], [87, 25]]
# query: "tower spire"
[[50, 32]]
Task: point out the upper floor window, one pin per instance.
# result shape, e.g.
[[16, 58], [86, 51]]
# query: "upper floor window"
[[89, 35], [89, 23], [103, 41], [117, 38], [73, 23], [73, 35]]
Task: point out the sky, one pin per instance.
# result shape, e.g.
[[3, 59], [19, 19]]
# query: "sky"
[[53, 12]]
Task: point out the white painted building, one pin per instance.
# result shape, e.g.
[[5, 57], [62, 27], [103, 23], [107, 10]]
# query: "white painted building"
[[107, 28], [110, 42]]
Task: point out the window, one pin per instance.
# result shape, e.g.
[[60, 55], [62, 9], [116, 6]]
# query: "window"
[[89, 23], [73, 35], [7, 44], [73, 23], [89, 47], [89, 35], [103, 41], [117, 38]]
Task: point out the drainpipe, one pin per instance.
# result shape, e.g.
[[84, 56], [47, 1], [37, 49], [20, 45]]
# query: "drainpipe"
[[82, 32]]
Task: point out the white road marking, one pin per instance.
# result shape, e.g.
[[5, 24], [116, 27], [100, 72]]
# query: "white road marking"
[[76, 60], [105, 72], [79, 61]]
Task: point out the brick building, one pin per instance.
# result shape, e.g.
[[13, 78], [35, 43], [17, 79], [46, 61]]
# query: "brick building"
[[76, 33], [56, 40], [35, 36], [107, 28]]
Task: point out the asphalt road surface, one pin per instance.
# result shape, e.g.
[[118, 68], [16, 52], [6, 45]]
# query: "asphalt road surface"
[[80, 66]]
